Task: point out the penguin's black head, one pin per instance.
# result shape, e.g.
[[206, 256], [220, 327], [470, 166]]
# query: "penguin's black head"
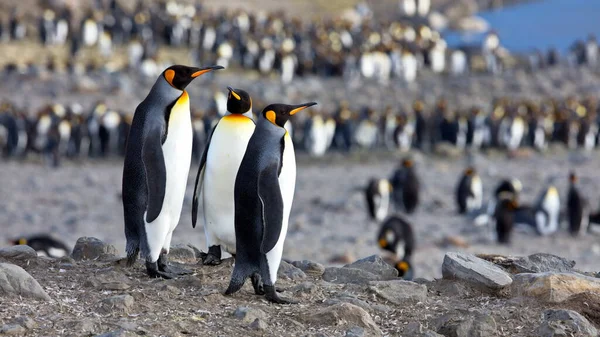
[[238, 101], [279, 114], [18, 241], [572, 177], [180, 76], [404, 269]]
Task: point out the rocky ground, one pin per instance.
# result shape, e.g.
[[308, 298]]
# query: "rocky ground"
[[329, 222], [91, 294]]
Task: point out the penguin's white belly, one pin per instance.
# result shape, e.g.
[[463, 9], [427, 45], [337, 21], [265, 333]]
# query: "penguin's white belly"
[[287, 185], [225, 154], [177, 153]]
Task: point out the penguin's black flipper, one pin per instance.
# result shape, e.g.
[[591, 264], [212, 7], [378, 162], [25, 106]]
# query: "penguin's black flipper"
[[200, 179], [271, 201], [156, 172]]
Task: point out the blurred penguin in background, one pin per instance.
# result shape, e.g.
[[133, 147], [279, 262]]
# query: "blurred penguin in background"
[[577, 208], [469, 192], [395, 236], [405, 186], [378, 198]]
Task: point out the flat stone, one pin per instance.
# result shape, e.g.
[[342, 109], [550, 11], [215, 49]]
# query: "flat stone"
[[289, 272], [348, 298], [540, 263], [305, 288], [399, 291], [416, 329], [469, 268], [553, 287], [14, 280], [375, 265], [26, 322], [309, 267], [345, 314], [118, 303], [458, 324], [182, 253], [249, 314], [259, 325], [117, 333], [348, 275], [557, 323], [89, 248], [12, 329], [18, 253]]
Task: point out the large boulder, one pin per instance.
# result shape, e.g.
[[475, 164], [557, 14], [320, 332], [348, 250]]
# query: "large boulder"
[[553, 287], [14, 280], [476, 271], [557, 323], [90, 248]]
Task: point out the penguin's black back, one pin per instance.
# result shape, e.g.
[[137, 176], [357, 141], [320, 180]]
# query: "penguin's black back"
[[462, 192], [575, 206], [504, 215], [403, 231], [370, 193]]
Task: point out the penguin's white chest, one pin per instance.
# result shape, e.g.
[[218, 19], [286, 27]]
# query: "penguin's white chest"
[[177, 151], [225, 153]]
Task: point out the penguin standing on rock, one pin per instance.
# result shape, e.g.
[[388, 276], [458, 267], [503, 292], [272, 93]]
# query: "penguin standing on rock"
[[217, 172], [405, 186], [394, 233], [469, 192], [577, 208], [378, 198], [264, 191], [157, 163]]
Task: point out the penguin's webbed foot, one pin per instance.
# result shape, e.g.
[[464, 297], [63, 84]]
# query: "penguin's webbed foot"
[[257, 284], [153, 271], [164, 267], [271, 296], [213, 257]]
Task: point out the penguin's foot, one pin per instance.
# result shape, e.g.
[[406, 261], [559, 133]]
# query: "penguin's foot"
[[213, 257], [257, 284], [154, 272], [271, 296], [164, 267]]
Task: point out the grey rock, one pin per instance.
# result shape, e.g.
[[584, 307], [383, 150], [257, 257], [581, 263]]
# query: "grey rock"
[[348, 275], [348, 298], [18, 253], [345, 314], [309, 267], [258, 324], [457, 324], [540, 263], [399, 291], [111, 280], [305, 288], [374, 264], [118, 303], [182, 253], [84, 325], [553, 287], [25, 322], [117, 333], [289, 272], [12, 329], [248, 314], [469, 268], [355, 332], [565, 323], [14, 280], [89, 248], [416, 329]]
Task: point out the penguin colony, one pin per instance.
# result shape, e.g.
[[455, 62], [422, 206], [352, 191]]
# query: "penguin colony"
[[268, 43], [503, 215], [246, 182], [60, 131]]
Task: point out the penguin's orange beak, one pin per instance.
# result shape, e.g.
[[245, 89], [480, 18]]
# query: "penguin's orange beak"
[[300, 107], [203, 71]]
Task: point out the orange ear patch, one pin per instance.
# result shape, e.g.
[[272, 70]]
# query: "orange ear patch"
[[271, 116], [22, 241], [402, 265], [170, 75]]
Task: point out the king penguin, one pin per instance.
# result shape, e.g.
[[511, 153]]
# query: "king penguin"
[[577, 208], [396, 232], [377, 195], [469, 192], [157, 163], [216, 175], [264, 191]]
